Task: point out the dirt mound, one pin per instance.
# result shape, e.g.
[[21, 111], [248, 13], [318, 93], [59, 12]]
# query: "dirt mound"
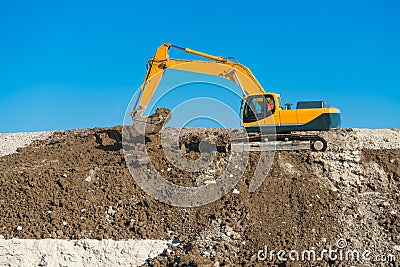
[[76, 185]]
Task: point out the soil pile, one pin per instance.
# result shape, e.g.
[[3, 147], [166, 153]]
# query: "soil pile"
[[76, 185]]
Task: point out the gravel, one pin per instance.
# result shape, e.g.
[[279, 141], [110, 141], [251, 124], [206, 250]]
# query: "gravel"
[[10, 142]]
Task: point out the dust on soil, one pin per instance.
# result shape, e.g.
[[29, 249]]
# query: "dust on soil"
[[76, 185]]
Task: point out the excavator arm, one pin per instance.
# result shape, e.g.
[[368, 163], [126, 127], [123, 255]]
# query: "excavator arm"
[[215, 65]]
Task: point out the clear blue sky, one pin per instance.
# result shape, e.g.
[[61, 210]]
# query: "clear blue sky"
[[76, 64]]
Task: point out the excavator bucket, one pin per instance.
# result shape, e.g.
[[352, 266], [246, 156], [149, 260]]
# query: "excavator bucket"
[[153, 123]]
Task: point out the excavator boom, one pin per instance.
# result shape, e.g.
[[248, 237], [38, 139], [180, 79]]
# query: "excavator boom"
[[214, 65]]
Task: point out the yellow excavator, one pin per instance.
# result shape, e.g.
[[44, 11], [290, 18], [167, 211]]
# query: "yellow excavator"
[[261, 111]]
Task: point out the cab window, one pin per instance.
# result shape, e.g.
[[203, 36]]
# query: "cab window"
[[258, 107], [254, 109], [270, 105]]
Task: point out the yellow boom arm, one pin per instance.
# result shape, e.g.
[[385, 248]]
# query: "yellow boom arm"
[[217, 66]]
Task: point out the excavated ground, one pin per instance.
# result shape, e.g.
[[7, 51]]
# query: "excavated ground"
[[76, 185]]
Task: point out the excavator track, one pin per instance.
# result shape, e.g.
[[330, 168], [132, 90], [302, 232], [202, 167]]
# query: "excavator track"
[[272, 142]]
